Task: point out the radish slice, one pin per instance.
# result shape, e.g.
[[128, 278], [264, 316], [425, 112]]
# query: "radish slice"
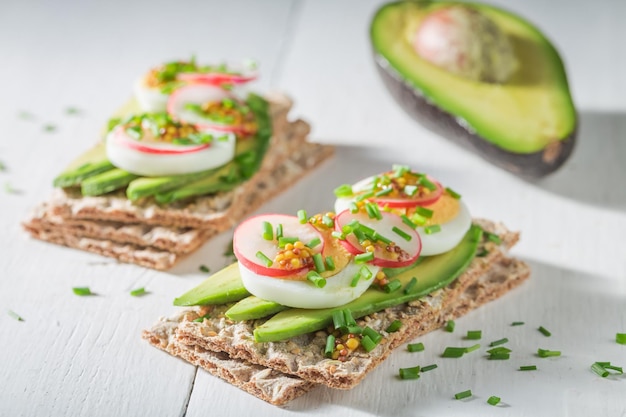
[[200, 93], [408, 250], [248, 240], [159, 159], [408, 202], [237, 74]]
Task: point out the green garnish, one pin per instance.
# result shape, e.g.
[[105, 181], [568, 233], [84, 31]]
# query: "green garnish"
[[401, 233], [427, 183], [435, 228], [410, 190], [318, 261], [330, 264], [344, 190], [268, 231], [600, 370], [364, 257], [355, 279], [82, 291], [400, 170], [429, 367], [24, 115], [423, 211], [353, 207], [499, 342], [201, 318], [544, 331], [545, 353], [339, 319], [391, 286], [415, 347], [528, 368], [453, 352], [372, 334], [410, 373], [330, 346], [138, 292], [279, 231], [338, 235], [494, 238], [463, 394], [327, 221], [384, 192], [134, 132], [408, 221], [499, 356], [368, 344], [204, 268], [313, 243], [373, 211], [49, 128], [493, 400], [474, 334], [517, 323], [412, 283], [283, 241], [379, 237], [266, 261], [14, 315], [499, 349], [9, 189], [365, 272], [72, 111], [365, 196], [302, 217], [450, 326], [452, 193], [472, 348], [348, 319], [620, 338], [316, 279], [394, 326]]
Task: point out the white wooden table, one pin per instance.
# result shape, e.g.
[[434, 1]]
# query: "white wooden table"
[[84, 356]]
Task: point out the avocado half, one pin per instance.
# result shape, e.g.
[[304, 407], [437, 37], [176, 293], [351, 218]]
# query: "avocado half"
[[526, 125]]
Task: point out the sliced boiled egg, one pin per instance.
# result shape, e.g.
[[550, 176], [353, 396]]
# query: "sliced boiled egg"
[[154, 145]]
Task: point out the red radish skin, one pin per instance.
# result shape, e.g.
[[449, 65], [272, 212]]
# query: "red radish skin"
[[216, 78], [431, 198], [121, 138]]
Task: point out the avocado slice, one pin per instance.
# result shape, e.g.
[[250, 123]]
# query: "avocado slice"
[[222, 287], [526, 124], [252, 308], [106, 182], [92, 162]]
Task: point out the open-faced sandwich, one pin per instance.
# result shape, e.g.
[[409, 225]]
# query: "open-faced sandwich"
[[188, 157], [325, 298]]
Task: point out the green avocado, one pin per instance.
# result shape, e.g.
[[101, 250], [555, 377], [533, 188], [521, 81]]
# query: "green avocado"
[[222, 287], [251, 308], [525, 124]]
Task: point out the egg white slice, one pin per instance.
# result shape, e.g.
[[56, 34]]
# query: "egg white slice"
[[150, 99], [450, 234], [303, 294]]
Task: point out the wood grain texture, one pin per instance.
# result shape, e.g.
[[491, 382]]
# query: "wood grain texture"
[[83, 356]]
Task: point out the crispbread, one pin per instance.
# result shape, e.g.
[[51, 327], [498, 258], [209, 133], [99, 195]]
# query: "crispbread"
[[486, 278]]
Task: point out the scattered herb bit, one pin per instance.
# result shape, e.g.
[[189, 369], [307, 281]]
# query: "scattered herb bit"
[[72, 111], [14, 315], [545, 353], [499, 356], [618, 369], [316, 279], [463, 394], [453, 352], [353, 207], [410, 373], [412, 283], [499, 342], [268, 231], [2, 166], [318, 261], [423, 211], [415, 347], [544, 331], [201, 318], [330, 346], [528, 368], [283, 241], [435, 228], [279, 231], [427, 183], [24, 115], [361, 258], [429, 367], [138, 292], [391, 286], [313, 243], [499, 349], [327, 221], [344, 190], [355, 279], [330, 264], [600, 370], [229, 252], [450, 326], [408, 221], [620, 338], [401, 233], [482, 253], [474, 334], [365, 272], [266, 261], [372, 334], [453, 193], [394, 326], [472, 348], [9, 189], [204, 268], [367, 343], [49, 128], [339, 319], [302, 217], [82, 291], [494, 238], [493, 400], [517, 323]]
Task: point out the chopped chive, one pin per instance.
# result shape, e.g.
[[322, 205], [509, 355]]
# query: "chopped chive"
[[472, 348], [452, 193], [528, 368], [384, 192], [302, 217], [339, 319], [318, 261], [423, 211], [410, 373], [410, 190], [427, 183], [401, 233], [330, 264], [365, 196], [412, 283], [453, 352], [316, 279], [3, 167], [408, 221], [204, 268], [49, 128], [283, 241], [72, 110], [364, 257], [367, 343], [359, 234], [327, 221], [463, 394], [435, 228], [493, 400], [417, 219], [400, 170], [348, 319], [494, 238], [353, 207], [373, 335], [620, 338], [354, 329], [344, 190], [482, 253], [499, 342], [201, 318], [268, 232], [545, 353], [24, 115], [474, 334], [391, 286], [138, 292], [618, 369], [355, 279], [415, 347], [279, 231], [600, 370], [429, 367], [330, 346], [450, 326], [266, 261], [544, 331], [394, 326], [517, 323], [14, 315], [372, 211], [9, 189], [82, 291], [365, 272], [379, 237], [338, 235], [499, 349], [499, 356]]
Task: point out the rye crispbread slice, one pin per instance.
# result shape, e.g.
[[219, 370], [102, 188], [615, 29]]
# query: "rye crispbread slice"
[[486, 278]]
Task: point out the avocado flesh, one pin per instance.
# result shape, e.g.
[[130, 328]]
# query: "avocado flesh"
[[92, 162], [252, 308], [526, 125], [106, 182], [222, 287]]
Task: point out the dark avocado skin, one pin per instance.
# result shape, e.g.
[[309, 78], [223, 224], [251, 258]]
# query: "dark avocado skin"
[[529, 165]]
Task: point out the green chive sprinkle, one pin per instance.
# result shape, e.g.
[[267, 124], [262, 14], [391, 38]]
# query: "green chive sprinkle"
[[498, 350], [450, 326], [423, 211], [410, 190], [204, 268], [338, 235], [282, 241], [318, 261], [3, 167], [266, 261], [401, 233], [544, 331], [545, 353], [493, 400], [618, 369], [499, 342], [384, 192], [49, 128], [400, 170], [429, 367], [415, 347], [394, 326], [316, 279], [302, 217], [472, 348], [355, 279], [138, 292], [201, 318], [391, 286], [435, 228], [408, 221], [373, 334], [72, 110], [344, 190], [365, 196], [82, 291], [353, 207], [339, 319], [410, 373], [365, 272], [517, 323], [279, 231], [499, 356], [9, 189], [620, 338], [381, 238], [372, 211], [452, 193], [364, 257], [417, 219], [14, 315], [528, 368], [482, 253], [600, 370], [327, 221], [474, 334], [412, 283], [354, 329], [330, 346], [494, 238], [330, 264], [463, 394], [348, 319], [268, 232], [453, 352], [367, 343]]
